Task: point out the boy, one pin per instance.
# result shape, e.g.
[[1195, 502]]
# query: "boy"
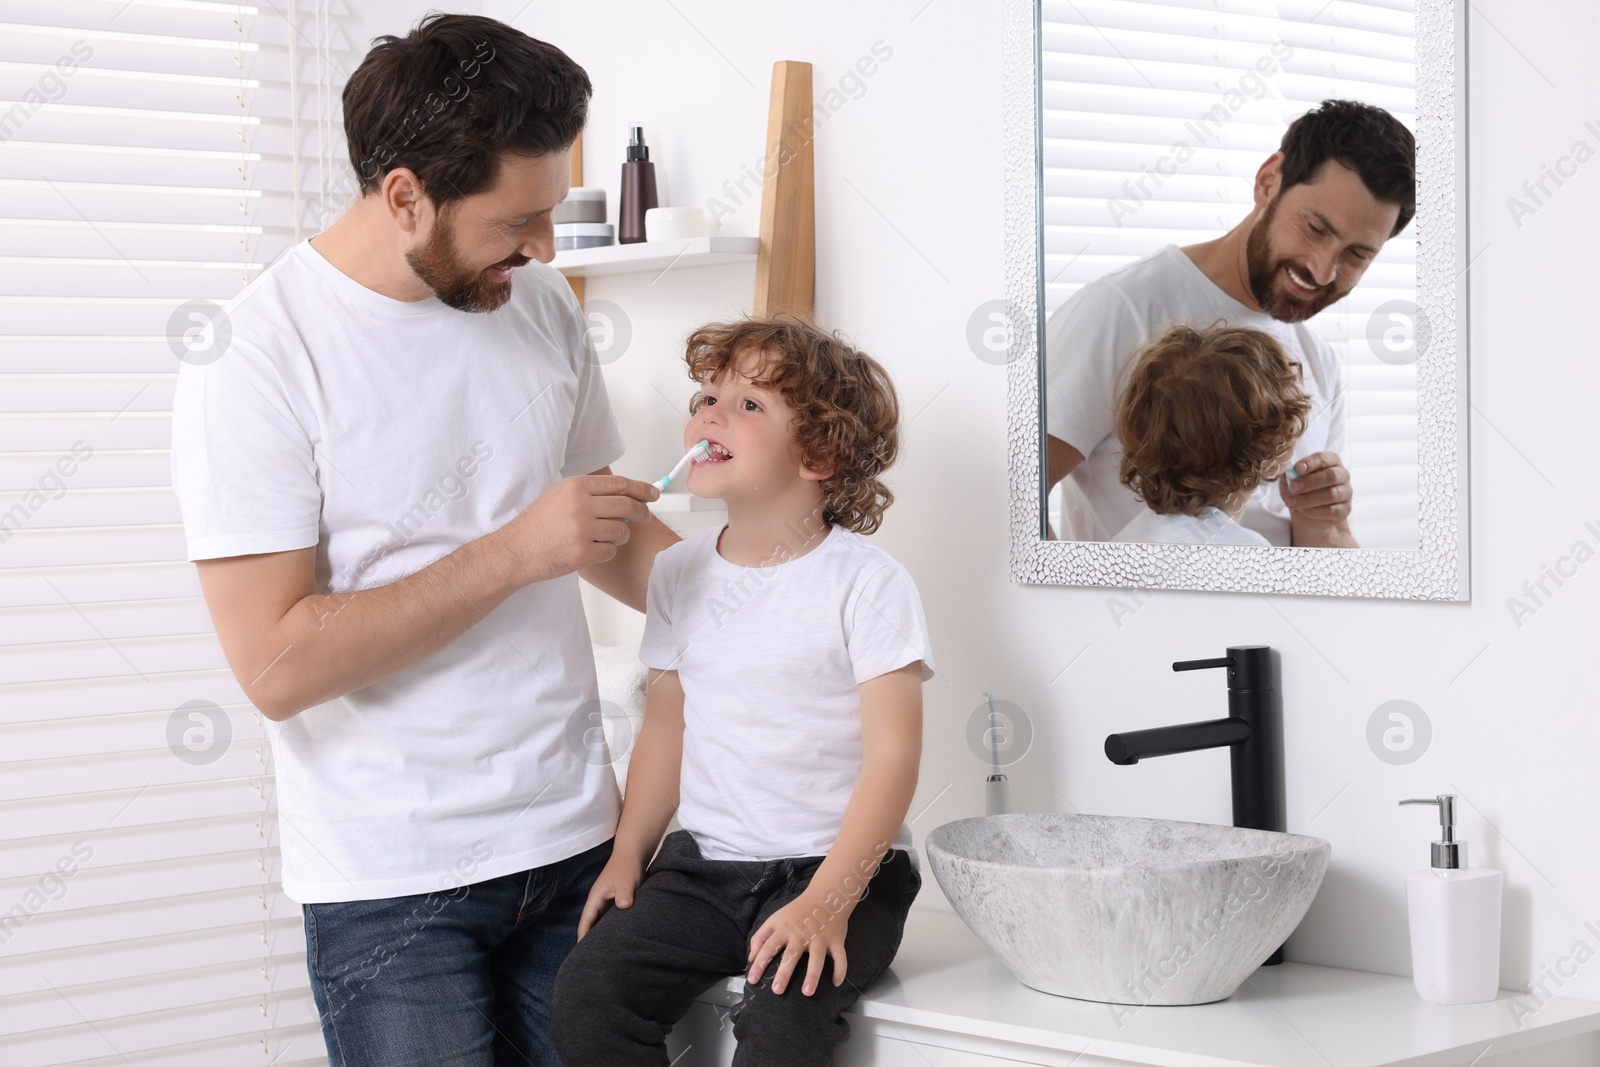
[[783, 724], [1206, 416]]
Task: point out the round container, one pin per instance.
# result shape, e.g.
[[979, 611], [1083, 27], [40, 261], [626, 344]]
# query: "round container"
[[674, 223], [571, 236], [584, 203]]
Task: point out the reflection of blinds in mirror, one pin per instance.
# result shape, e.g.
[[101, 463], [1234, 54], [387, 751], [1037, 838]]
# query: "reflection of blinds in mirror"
[[141, 916], [1125, 83]]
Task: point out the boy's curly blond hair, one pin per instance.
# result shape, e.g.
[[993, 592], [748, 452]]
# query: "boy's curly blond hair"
[[847, 416]]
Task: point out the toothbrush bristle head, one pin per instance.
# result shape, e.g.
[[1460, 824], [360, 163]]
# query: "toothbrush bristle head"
[[700, 448]]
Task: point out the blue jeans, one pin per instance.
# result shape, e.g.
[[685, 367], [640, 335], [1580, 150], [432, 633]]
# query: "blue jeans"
[[457, 978]]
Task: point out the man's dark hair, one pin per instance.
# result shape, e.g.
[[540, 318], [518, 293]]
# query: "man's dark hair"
[[448, 97], [1367, 139]]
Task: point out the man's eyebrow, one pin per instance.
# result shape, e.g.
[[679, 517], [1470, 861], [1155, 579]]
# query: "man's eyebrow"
[[1320, 217], [529, 215]]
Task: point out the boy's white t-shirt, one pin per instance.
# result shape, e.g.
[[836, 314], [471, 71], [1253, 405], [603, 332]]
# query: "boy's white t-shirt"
[[386, 434], [1088, 343], [1212, 526], [771, 660]]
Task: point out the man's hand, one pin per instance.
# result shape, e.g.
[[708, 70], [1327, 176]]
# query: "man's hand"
[[1319, 502], [625, 577], [805, 925], [617, 883], [576, 523]]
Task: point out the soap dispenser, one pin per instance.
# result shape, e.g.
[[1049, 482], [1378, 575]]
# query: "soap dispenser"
[[1455, 919], [638, 190]]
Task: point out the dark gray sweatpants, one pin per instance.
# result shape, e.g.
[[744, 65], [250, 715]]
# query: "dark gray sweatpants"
[[638, 970]]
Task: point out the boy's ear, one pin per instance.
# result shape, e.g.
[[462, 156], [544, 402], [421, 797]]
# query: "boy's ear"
[[815, 476]]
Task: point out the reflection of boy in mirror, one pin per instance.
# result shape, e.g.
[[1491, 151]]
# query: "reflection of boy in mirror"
[[1206, 416], [1341, 184]]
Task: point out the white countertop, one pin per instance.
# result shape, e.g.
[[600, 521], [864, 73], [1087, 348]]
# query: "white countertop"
[[1292, 1015]]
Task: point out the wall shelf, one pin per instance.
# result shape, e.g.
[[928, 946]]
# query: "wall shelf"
[[657, 256], [785, 255]]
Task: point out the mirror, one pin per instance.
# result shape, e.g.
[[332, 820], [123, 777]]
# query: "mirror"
[[1237, 333]]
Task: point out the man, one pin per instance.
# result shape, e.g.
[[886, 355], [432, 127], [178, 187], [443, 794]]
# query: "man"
[[391, 481], [1341, 184]]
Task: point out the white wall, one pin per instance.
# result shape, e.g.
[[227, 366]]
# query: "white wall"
[[909, 242]]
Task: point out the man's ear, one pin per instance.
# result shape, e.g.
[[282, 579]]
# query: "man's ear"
[[404, 199], [1268, 177]]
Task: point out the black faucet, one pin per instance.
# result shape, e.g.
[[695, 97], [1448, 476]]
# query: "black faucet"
[[1253, 731]]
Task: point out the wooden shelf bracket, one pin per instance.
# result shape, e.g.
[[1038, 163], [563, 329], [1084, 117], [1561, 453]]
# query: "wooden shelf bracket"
[[787, 263]]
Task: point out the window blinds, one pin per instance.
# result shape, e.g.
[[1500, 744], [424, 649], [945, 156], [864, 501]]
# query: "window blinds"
[[149, 157], [1125, 82]]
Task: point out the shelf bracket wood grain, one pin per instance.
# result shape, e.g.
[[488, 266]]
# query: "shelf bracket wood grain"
[[786, 264], [575, 162]]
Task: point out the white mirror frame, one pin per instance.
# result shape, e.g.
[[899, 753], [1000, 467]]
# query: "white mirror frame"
[[1438, 569]]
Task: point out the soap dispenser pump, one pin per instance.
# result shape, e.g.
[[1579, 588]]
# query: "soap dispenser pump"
[[1455, 919]]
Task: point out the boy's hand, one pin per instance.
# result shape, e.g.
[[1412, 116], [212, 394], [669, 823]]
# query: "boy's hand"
[[804, 925], [618, 881]]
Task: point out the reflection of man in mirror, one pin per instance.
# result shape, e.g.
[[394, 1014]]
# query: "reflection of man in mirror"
[[1342, 182]]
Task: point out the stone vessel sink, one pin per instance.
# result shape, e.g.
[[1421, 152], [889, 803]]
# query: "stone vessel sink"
[[1124, 910]]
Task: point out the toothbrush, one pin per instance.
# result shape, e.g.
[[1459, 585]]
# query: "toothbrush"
[[700, 449], [997, 790]]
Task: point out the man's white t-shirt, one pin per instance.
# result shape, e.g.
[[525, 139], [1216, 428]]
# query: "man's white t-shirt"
[[386, 434], [1088, 343], [771, 661], [1211, 526]]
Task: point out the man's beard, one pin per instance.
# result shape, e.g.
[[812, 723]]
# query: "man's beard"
[[1264, 271], [457, 286]]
